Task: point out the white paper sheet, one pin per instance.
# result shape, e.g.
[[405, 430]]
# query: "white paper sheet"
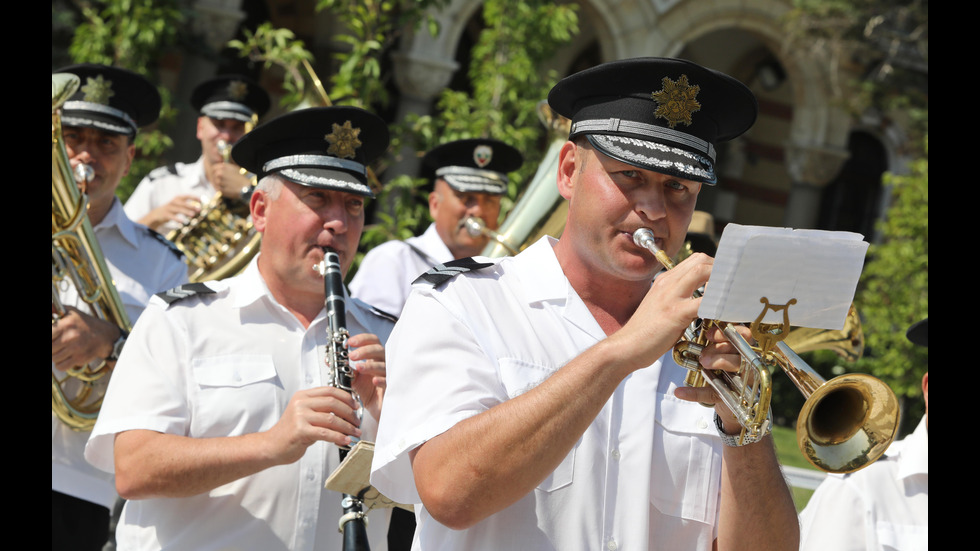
[[820, 269]]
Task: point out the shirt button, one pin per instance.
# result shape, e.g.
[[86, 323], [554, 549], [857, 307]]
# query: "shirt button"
[[611, 545], [702, 423], [615, 455]]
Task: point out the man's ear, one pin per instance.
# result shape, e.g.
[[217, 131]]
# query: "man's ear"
[[566, 168], [258, 204], [434, 200]]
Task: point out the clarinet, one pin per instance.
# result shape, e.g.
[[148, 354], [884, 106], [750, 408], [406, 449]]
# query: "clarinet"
[[353, 523]]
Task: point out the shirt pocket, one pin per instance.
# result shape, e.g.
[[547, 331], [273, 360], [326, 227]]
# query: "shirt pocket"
[[234, 395], [902, 537], [518, 376], [686, 470]]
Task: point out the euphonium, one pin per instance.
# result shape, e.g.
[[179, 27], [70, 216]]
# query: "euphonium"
[[76, 259], [220, 240], [845, 424]]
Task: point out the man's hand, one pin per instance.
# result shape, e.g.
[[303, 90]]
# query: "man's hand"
[[79, 339], [367, 358], [228, 180], [719, 354], [181, 209], [322, 413]]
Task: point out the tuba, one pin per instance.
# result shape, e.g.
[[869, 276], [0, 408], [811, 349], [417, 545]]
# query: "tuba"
[[220, 240], [845, 424], [76, 259]]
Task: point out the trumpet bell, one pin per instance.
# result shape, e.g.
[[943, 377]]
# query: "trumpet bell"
[[847, 423]]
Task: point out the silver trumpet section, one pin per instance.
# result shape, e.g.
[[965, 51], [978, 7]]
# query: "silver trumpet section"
[[476, 227], [845, 424]]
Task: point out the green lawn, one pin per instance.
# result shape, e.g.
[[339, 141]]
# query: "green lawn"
[[788, 453]]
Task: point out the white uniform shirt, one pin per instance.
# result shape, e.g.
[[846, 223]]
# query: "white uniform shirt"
[[884, 506], [384, 278], [161, 185], [141, 263], [226, 364], [645, 475]]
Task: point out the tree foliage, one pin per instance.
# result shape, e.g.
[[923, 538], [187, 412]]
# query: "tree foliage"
[[505, 82], [131, 34], [505, 85], [894, 290]]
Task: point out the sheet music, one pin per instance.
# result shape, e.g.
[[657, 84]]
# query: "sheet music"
[[819, 268]]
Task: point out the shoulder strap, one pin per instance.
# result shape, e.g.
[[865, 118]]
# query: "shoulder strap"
[[437, 275]]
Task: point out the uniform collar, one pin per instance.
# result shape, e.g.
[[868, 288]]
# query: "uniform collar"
[[431, 244], [540, 273], [116, 218], [544, 280], [198, 168], [252, 289]]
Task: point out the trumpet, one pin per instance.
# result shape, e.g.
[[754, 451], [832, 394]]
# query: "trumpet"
[[845, 424], [475, 226]]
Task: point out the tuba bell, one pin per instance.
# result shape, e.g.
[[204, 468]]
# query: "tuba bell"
[[219, 241], [76, 260]]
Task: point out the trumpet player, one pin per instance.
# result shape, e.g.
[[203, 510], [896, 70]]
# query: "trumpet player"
[[171, 195], [220, 423], [468, 179], [99, 124], [533, 402]]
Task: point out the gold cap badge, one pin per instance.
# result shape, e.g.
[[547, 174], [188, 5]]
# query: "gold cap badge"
[[237, 89], [676, 101], [98, 90], [343, 140]]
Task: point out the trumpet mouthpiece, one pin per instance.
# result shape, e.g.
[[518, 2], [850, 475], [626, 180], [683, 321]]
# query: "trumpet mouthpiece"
[[474, 226], [643, 237]]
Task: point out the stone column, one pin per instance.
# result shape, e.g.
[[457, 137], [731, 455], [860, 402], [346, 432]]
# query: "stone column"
[[811, 169], [419, 77], [216, 22]]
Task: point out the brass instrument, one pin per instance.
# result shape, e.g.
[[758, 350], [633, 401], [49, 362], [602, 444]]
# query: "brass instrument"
[[219, 241], [77, 259], [540, 210], [475, 226], [845, 424]]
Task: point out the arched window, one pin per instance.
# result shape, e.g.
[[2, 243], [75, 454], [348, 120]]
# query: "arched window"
[[852, 202]]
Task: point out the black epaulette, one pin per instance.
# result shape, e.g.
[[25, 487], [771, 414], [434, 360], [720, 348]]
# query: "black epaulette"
[[161, 171], [170, 244], [437, 275], [382, 314], [184, 291]]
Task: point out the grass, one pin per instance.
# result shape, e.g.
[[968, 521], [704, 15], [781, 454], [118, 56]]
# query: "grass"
[[788, 453]]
